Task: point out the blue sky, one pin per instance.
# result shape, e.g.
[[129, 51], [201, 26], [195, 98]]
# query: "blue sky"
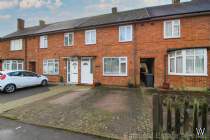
[[58, 10]]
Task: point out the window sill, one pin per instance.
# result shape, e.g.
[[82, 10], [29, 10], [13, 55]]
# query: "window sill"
[[16, 50], [190, 75], [166, 38], [51, 74], [114, 75], [88, 44], [125, 41]]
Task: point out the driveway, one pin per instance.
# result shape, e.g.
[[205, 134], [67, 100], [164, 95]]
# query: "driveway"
[[109, 112], [12, 130], [22, 93]]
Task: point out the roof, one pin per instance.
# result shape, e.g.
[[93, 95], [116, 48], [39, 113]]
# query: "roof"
[[195, 6]]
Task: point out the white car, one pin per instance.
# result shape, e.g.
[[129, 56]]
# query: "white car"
[[12, 80]]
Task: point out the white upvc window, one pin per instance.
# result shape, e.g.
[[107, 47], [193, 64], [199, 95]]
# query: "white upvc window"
[[12, 65], [115, 66], [172, 29], [125, 33], [51, 67], [43, 41], [69, 39], [90, 37], [16, 44], [190, 62]]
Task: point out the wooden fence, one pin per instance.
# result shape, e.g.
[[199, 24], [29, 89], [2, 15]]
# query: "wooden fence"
[[180, 117]]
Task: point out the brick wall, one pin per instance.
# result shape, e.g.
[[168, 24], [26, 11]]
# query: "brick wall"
[[148, 43]]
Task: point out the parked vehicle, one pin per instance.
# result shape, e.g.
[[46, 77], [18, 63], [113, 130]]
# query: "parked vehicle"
[[12, 80]]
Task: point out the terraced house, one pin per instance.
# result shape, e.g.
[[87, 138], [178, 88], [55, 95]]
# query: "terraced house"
[[170, 42]]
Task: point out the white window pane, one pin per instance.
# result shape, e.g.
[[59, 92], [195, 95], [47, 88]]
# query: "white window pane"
[[199, 51], [115, 66], [190, 52], [199, 64], [172, 54], [172, 65], [168, 29], [179, 65], [190, 64], [123, 68], [176, 31]]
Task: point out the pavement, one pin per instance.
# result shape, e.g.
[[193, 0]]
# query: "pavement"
[[12, 130]]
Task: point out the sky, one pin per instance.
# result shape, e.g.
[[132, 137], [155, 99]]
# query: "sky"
[[58, 10]]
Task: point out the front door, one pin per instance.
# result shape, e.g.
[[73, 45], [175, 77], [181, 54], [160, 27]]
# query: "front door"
[[86, 71], [72, 71]]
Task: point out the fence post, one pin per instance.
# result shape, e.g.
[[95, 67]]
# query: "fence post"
[[156, 117], [177, 119], [186, 116], [169, 121], [195, 116], [204, 116]]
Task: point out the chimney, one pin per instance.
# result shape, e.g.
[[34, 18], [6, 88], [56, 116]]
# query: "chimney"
[[175, 1], [114, 10], [41, 22], [20, 24]]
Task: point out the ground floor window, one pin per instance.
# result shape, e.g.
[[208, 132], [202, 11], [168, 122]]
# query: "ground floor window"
[[12, 65], [115, 66], [188, 62], [51, 67]]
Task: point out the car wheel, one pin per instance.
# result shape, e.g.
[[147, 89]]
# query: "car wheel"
[[44, 83], [10, 88]]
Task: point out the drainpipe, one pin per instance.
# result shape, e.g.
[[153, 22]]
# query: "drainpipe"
[[134, 54], [25, 53]]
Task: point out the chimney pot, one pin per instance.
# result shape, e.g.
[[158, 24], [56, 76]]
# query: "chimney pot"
[[175, 1], [20, 24], [114, 10], [41, 22]]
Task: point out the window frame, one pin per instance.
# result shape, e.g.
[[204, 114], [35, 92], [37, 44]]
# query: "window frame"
[[120, 74], [184, 56], [173, 24], [47, 63], [120, 31], [13, 45], [86, 37], [42, 43], [67, 35]]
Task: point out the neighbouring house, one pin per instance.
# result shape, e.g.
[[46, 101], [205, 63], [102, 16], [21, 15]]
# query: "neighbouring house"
[[170, 42]]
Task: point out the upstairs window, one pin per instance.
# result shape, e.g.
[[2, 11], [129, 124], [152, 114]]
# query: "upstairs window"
[[43, 41], [125, 33], [188, 62], [172, 29], [115, 66], [90, 37], [16, 45], [68, 39]]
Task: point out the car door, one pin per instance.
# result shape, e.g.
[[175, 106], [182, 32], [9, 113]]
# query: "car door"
[[31, 78], [17, 78]]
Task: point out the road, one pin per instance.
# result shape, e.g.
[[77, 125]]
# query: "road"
[[13, 130]]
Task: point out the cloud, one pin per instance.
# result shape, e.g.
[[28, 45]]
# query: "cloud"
[[26, 4], [5, 17], [5, 4]]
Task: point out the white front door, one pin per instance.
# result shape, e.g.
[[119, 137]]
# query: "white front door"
[[72, 71], [86, 71]]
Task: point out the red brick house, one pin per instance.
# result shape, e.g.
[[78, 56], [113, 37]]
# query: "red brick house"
[[170, 42]]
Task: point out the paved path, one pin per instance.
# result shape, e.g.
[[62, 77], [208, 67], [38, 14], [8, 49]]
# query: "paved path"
[[12, 130]]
